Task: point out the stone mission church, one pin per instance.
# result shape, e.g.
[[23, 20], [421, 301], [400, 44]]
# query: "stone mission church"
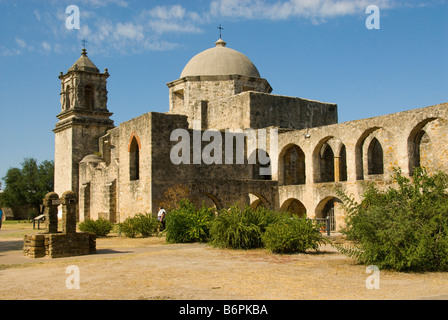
[[119, 171]]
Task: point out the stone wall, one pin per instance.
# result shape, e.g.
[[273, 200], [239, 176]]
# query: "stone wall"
[[59, 245], [187, 93], [259, 110], [289, 112], [351, 151]]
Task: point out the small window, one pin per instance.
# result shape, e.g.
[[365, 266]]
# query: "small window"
[[134, 160], [89, 97], [67, 98]]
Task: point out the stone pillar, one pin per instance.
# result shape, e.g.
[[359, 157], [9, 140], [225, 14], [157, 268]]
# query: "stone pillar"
[[51, 202], [337, 173], [69, 205]]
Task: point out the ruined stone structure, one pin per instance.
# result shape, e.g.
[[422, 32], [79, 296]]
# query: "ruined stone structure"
[[54, 244], [124, 170]]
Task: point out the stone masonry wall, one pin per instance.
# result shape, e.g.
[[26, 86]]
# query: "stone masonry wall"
[[396, 133]]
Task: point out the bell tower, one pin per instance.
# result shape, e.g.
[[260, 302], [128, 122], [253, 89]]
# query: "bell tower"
[[83, 119]]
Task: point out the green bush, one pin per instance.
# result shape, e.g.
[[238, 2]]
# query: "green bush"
[[404, 229], [241, 228], [187, 224], [129, 228], [140, 224], [146, 224], [291, 234], [100, 227]]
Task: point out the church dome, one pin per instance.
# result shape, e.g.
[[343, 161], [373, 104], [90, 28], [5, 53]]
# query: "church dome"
[[219, 61]]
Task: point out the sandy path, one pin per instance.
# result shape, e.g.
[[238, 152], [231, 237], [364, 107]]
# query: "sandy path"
[[155, 270]]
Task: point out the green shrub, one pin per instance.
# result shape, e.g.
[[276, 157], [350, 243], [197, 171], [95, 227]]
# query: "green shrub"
[[129, 228], [241, 228], [100, 227], [146, 224], [140, 224], [187, 224], [291, 234], [404, 229]]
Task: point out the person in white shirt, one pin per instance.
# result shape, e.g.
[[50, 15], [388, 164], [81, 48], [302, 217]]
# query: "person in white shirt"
[[161, 217]]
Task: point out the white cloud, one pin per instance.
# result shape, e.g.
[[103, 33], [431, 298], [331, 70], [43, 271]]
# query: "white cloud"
[[37, 15], [46, 46], [149, 29], [166, 13], [281, 10], [128, 31], [20, 42], [101, 3]]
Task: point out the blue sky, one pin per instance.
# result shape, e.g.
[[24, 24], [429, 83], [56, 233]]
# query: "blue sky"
[[314, 49]]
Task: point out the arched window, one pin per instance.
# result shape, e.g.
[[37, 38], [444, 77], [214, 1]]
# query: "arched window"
[[67, 98], [294, 166], [327, 164], [89, 97], [375, 157], [134, 160], [420, 151]]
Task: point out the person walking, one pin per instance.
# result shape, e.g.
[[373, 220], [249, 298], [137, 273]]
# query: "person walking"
[[161, 217], [2, 217]]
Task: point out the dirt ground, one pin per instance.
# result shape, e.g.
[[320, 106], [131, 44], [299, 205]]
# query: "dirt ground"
[[133, 269]]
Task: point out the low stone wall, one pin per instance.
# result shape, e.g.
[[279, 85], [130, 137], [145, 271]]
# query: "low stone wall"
[[59, 245], [34, 246]]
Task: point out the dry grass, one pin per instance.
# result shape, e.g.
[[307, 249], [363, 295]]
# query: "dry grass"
[[148, 268]]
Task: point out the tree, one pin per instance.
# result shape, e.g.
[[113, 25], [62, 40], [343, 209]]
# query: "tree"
[[28, 185], [404, 228], [172, 196]]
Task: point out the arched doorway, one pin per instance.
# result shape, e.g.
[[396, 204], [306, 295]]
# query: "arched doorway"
[[294, 207], [332, 208]]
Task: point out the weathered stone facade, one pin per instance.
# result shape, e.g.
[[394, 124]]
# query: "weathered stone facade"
[[133, 163]]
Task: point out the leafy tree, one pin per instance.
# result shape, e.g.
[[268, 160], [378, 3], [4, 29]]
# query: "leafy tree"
[[173, 196], [28, 185], [404, 228]]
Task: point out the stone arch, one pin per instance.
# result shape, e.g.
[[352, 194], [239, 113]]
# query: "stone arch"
[[330, 161], [317, 159], [366, 136], [294, 207], [206, 198], [256, 200], [331, 207], [419, 146], [292, 169], [326, 164], [375, 157]]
